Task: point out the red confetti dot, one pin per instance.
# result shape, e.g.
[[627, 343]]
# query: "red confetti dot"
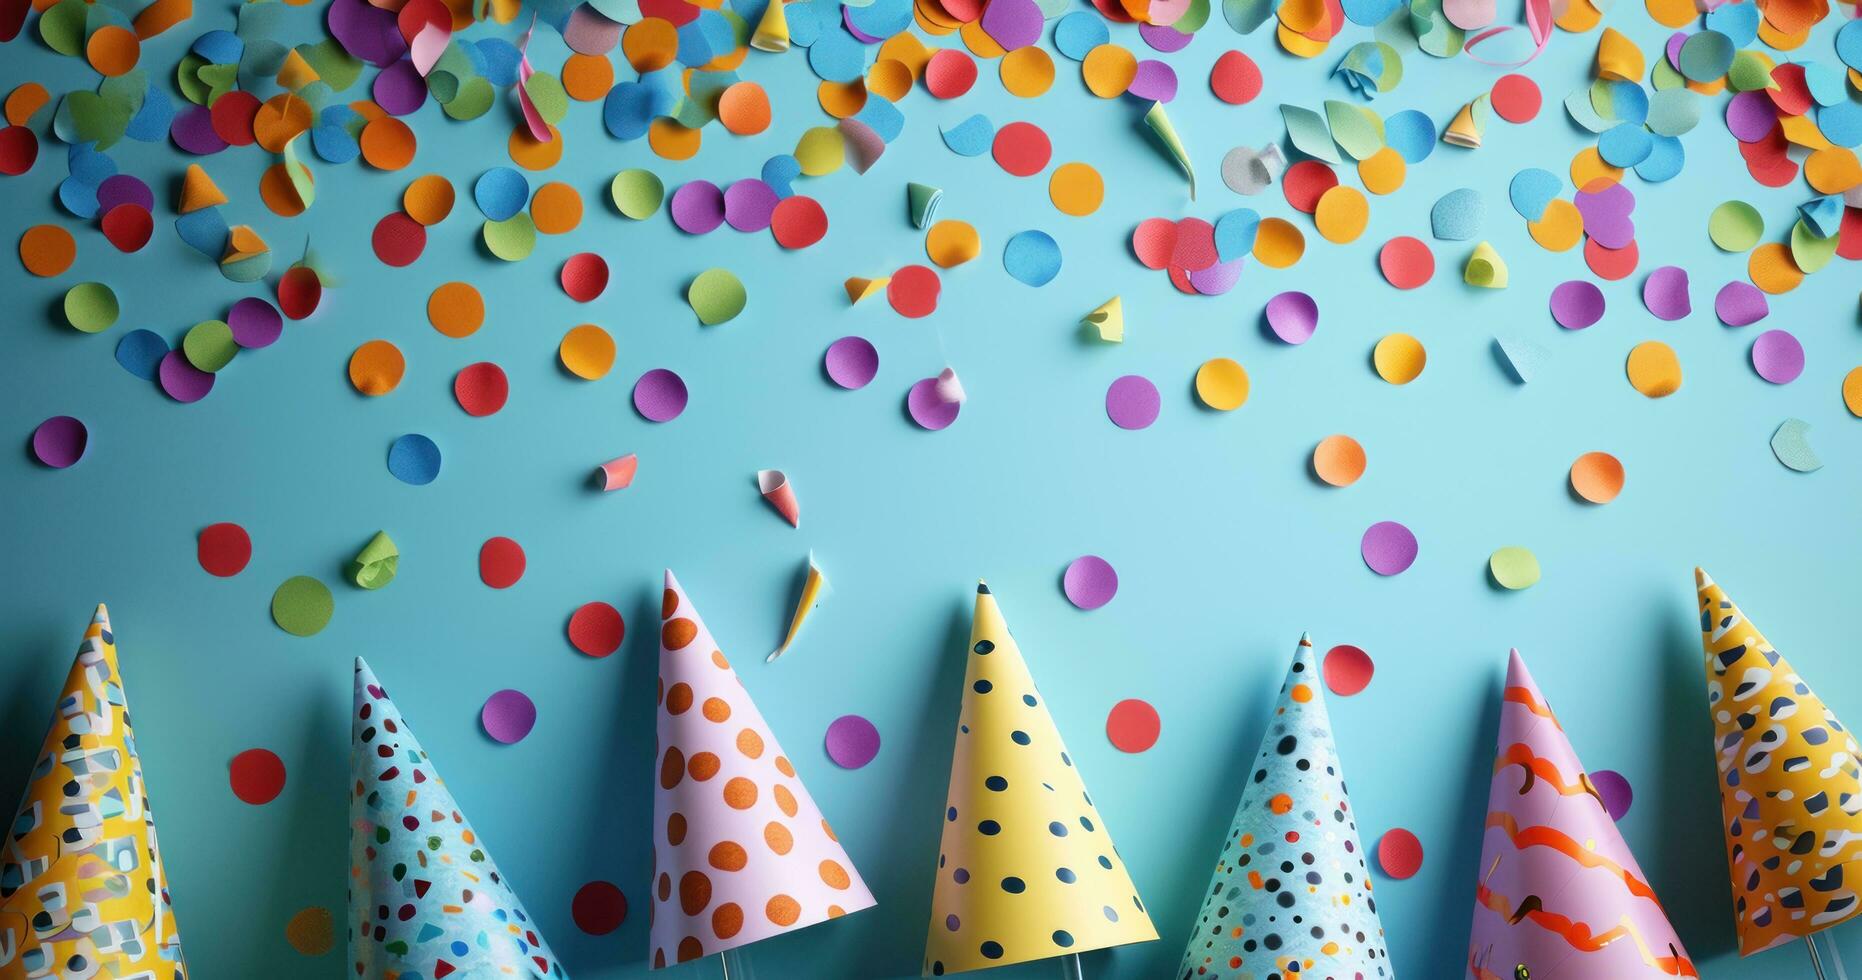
[[1154, 241], [1235, 79], [1516, 98], [398, 239], [19, 148], [584, 276], [798, 221], [481, 388], [128, 226], [949, 73], [1022, 149], [599, 908], [232, 116], [299, 292], [597, 629], [1305, 182], [223, 549], [1347, 670], [500, 562], [1399, 853], [1406, 262], [1133, 725], [1611, 263], [913, 291], [257, 776]]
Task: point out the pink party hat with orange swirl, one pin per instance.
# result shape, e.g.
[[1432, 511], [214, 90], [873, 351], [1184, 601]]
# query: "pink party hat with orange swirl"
[[1560, 896], [740, 851]]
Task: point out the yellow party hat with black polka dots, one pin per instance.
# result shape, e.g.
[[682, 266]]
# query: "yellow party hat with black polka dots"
[[1790, 784], [1026, 869]]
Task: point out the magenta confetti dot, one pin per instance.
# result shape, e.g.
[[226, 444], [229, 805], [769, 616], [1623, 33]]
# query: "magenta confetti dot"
[[508, 716], [851, 362], [1389, 548], [698, 207], [1168, 40], [255, 323], [124, 189], [1090, 582], [183, 381], [1615, 790], [1293, 316], [928, 408], [60, 441], [748, 204], [1606, 211], [1132, 402], [1154, 81], [1740, 304], [192, 130], [1577, 304], [660, 395], [399, 89], [1665, 293], [852, 741], [1778, 357]]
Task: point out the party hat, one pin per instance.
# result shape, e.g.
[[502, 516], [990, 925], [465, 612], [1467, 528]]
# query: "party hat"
[[772, 29], [82, 887], [1026, 869], [1560, 896], [198, 190], [1291, 894], [1108, 320], [1466, 129], [1485, 268], [425, 897], [775, 488], [740, 851], [1790, 785]]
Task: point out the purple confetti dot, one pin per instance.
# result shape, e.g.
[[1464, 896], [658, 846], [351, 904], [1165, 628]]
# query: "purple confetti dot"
[[697, 207], [1293, 316], [1615, 790], [1132, 402], [183, 381], [852, 741], [255, 323], [851, 362], [1740, 304], [60, 441], [748, 204], [660, 395], [1577, 304], [508, 716], [928, 408], [1778, 357], [399, 89], [1090, 582], [1388, 548]]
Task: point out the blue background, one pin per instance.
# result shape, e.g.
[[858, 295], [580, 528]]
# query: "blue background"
[[1226, 545]]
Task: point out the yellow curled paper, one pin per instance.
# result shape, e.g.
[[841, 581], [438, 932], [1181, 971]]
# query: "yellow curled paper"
[[87, 893], [1464, 129], [1653, 369], [1486, 268], [859, 288], [1618, 57], [1788, 784], [1108, 320], [814, 589], [1026, 867], [772, 30]]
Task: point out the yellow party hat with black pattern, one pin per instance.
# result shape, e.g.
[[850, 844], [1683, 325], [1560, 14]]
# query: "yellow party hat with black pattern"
[[82, 889], [1026, 869], [1790, 784]]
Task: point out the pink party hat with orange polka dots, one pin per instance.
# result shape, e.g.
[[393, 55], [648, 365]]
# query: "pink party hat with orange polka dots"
[[740, 851], [1026, 868]]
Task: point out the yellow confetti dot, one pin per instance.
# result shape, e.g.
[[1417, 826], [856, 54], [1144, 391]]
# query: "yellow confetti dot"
[[952, 243], [312, 931], [890, 79], [1109, 70], [1399, 358], [1076, 188], [1277, 243], [821, 150], [587, 351], [1383, 172], [1222, 384], [1653, 369], [1852, 392], [1833, 170], [1672, 13], [1588, 165], [1027, 72], [907, 50], [1560, 228], [978, 40], [1772, 268], [1342, 214]]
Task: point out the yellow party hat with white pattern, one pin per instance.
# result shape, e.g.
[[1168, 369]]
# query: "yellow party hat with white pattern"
[[1026, 869], [1790, 784]]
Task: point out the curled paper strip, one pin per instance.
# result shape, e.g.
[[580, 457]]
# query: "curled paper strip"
[[814, 589], [775, 488], [374, 566], [1160, 124], [617, 474]]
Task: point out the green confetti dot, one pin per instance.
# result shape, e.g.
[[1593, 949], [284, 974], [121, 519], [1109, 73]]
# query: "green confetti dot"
[[302, 606], [1735, 226], [513, 238], [1514, 568], [209, 345], [91, 307], [637, 193], [717, 296]]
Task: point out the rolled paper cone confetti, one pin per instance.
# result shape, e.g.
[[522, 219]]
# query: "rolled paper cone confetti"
[[1108, 320], [859, 288], [1486, 268], [1026, 867], [376, 564], [921, 201], [1159, 121], [814, 589], [1559, 892], [741, 852], [83, 890], [776, 489], [949, 387], [1464, 129], [616, 474], [412, 850], [198, 190], [1789, 784], [772, 30], [1293, 809]]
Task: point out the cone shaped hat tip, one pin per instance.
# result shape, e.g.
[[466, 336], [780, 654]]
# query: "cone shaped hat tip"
[[982, 587], [672, 581], [1516, 673], [1305, 638], [1701, 579]]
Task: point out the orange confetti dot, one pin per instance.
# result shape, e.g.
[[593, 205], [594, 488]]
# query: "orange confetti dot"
[[1597, 477], [376, 368], [556, 208], [25, 100], [650, 44], [841, 99], [1027, 72], [278, 193], [672, 141], [587, 352], [387, 144], [744, 109], [428, 199], [587, 77], [1109, 70], [1076, 188], [1278, 244], [532, 154], [113, 50], [889, 79], [456, 309], [47, 250], [1772, 268], [279, 120], [1338, 460]]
